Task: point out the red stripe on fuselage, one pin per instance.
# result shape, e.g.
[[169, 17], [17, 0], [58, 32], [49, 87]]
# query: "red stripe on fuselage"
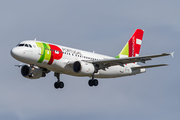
[[55, 55]]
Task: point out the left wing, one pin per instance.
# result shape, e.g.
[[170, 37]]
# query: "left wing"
[[121, 61]]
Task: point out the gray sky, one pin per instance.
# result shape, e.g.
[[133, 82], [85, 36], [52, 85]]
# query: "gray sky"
[[93, 25]]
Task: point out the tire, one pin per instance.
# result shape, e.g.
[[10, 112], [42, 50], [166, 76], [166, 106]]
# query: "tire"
[[95, 82], [90, 83], [61, 84], [56, 85]]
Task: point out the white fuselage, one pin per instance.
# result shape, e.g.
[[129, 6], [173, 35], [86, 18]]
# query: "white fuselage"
[[31, 55]]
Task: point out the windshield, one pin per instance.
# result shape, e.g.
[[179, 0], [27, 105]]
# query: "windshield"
[[25, 45]]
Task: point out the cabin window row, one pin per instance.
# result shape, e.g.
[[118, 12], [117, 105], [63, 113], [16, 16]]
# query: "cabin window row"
[[56, 51], [80, 56]]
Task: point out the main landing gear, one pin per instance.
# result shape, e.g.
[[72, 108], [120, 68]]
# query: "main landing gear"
[[58, 84], [93, 82]]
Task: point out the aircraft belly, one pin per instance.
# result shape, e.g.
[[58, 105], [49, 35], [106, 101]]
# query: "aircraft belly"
[[61, 66], [111, 72], [114, 71]]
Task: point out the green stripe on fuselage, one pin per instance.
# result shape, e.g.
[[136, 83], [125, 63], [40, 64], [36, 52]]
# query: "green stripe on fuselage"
[[40, 45], [45, 52]]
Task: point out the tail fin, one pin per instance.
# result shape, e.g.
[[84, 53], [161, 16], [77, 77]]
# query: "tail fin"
[[132, 48]]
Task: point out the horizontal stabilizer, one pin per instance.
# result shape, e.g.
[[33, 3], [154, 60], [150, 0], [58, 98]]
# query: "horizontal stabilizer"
[[149, 66]]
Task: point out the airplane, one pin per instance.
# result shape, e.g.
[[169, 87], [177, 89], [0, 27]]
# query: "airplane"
[[41, 58]]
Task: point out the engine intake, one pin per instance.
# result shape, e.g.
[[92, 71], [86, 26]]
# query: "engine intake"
[[83, 68], [31, 72]]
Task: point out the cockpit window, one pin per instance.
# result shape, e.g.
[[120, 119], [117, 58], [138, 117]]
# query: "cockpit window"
[[21, 45], [26, 45]]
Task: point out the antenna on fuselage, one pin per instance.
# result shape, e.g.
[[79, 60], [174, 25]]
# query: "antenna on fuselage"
[[35, 39]]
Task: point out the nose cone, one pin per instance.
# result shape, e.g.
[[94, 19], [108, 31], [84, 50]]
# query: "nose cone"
[[15, 53]]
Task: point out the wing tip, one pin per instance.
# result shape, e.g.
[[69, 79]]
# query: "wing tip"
[[165, 64], [172, 54]]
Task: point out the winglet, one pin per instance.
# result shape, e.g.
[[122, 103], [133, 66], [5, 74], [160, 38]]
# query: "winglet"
[[172, 54], [35, 39]]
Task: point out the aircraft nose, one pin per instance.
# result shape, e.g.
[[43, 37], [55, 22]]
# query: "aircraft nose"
[[14, 52]]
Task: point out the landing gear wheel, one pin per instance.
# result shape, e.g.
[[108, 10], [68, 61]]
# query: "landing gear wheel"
[[95, 82], [61, 84], [90, 83], [56, 85]]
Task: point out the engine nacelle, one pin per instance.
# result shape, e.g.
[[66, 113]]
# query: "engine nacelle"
[[83, 68], [31, 72]]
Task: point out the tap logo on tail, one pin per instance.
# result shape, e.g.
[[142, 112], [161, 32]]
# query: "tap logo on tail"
[[132, 47]]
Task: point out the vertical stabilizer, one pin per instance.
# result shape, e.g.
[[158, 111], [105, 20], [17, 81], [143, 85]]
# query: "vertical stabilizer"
[[132, 47]]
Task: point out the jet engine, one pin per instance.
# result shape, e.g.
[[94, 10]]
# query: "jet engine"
[[33, 72], [83, 68]]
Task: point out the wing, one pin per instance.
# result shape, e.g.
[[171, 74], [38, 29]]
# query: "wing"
[[121, 61]]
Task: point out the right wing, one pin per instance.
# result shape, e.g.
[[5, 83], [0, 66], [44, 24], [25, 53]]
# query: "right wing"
[[121, 61]]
